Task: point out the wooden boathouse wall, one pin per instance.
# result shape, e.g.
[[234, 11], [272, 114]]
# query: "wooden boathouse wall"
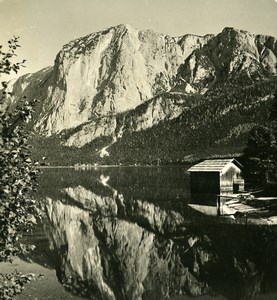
[[231, 181], [213, 177]]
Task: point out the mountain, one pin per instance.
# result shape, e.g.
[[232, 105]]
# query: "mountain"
[[127, 96], [233, 55]]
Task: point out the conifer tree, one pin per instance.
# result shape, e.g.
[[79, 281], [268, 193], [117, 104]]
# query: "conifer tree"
[[260, 154]]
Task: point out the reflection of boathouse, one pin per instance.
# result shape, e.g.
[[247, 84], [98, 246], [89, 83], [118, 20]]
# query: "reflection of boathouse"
[[215, 176]]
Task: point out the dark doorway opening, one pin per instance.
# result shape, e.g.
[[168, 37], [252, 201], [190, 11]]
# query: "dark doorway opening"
[[235, 188]]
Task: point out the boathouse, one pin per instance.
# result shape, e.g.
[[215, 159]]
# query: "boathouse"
[[215, 176]]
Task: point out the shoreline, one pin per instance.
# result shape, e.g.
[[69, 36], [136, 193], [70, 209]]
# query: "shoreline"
[[109, 166]]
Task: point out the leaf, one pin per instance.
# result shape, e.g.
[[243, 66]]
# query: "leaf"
[[4, 84]]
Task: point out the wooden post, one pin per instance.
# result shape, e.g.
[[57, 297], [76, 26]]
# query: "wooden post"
[[218, 205]]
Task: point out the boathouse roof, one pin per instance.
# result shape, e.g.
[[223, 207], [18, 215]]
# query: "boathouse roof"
[[214, 165]]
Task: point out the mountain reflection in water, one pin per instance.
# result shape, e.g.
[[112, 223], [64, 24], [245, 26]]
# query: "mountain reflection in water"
[[127, 233]]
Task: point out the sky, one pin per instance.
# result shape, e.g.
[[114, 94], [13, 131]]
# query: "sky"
[[44, 26]]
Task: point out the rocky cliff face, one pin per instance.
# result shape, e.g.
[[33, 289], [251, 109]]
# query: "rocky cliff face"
[[167, 106], [121, 80], [106, 73], [231, 55]]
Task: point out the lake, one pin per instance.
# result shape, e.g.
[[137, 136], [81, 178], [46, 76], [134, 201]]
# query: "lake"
[[128, 233]]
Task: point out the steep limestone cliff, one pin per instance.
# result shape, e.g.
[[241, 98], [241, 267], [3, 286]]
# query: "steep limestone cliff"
[[121, 81], [106, 73], [167, 106], [233, 54]]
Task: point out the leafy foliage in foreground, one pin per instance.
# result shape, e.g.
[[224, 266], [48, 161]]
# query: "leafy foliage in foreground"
[[18, 178], [18, 210], [13, 283]]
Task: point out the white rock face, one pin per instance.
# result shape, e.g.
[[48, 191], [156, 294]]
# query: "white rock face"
[[106, 73], [109, 72], [231, 54], [123, 79], [27, 85], [142, 117], [103, 126]]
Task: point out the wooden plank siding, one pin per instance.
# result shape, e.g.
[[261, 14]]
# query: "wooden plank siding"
[[231, 180], [214, 177]]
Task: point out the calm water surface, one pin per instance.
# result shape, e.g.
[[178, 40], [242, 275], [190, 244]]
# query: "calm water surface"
[[128, 233]]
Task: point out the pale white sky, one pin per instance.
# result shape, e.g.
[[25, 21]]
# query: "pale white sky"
[[44, 26]]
